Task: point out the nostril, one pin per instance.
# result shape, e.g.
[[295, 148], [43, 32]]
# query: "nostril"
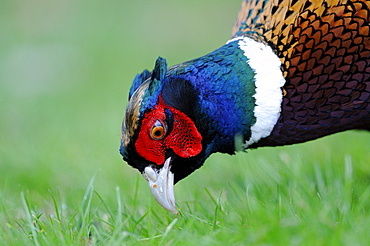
[[150, 173]]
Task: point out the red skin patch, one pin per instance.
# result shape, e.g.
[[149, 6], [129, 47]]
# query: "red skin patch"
[[184, 138]]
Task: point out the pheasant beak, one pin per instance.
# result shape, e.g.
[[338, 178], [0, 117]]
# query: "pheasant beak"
[[161, 184]]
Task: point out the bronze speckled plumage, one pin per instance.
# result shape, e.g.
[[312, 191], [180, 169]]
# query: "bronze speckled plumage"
[[324, 47]]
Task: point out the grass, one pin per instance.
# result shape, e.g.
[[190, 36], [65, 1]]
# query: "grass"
[[65, 70]]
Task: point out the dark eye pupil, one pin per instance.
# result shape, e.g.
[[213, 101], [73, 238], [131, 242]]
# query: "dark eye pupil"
[[158, 131]]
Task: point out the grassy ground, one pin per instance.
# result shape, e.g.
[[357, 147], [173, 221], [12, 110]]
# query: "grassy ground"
[[65, 70]]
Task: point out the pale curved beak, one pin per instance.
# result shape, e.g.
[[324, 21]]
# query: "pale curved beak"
[[161, 182]]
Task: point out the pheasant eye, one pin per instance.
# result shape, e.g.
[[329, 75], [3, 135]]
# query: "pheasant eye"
[[158, 131]]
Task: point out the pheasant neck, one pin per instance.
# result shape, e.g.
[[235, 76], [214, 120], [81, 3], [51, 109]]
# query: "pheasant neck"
[[239, 93]]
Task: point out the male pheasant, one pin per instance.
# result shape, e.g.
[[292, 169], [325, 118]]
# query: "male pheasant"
[[293, 71]]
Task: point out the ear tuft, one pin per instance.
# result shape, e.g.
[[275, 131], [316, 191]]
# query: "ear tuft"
[[158, 76], [160, 69]]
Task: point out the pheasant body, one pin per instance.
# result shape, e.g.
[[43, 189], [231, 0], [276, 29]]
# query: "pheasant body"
[[324, 47], [294, 71]]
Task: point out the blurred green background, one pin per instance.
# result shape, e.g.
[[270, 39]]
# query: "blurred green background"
[[65, 71]]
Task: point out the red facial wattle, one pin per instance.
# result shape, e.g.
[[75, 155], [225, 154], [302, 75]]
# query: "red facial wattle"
[[184, 138]]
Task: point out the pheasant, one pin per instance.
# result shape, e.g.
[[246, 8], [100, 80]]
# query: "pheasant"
[[293, 71]]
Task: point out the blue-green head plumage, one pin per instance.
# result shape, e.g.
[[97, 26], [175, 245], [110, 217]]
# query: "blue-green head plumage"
[[215, 92]]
